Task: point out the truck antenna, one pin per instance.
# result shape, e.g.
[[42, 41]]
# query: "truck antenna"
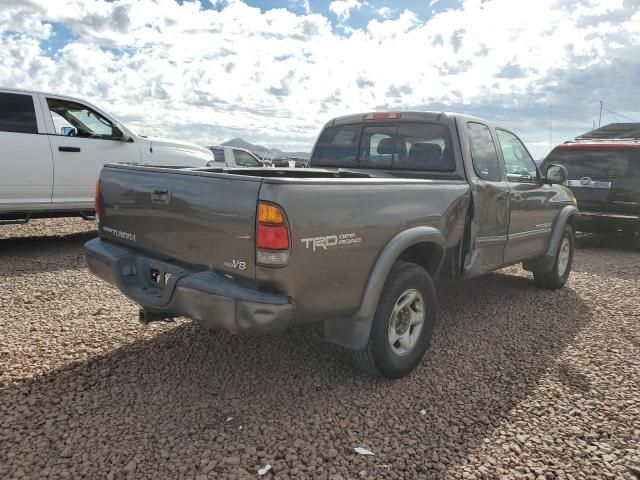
[[600, 117]]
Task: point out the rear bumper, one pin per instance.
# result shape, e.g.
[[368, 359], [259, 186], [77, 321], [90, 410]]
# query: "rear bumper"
[[595, 221], [215, 300]]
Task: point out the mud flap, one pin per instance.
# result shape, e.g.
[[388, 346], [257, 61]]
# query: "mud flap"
[[349, 333]]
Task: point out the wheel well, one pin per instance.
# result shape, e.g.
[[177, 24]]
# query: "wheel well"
[[573, 222], [427, 255]]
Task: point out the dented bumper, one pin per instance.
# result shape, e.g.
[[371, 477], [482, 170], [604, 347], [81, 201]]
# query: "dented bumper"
[[171, 290]]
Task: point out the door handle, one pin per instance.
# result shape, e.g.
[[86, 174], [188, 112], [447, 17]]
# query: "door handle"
[[69, 149], [517, 196], [502, 196]]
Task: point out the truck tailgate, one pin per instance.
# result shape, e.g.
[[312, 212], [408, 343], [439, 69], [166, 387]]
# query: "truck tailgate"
[[199, 219]]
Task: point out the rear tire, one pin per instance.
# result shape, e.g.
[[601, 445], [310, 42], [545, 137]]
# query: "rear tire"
[[559, 274], [402, 325]]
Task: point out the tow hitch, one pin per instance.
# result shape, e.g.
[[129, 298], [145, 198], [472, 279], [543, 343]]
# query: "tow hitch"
[[148, 315]]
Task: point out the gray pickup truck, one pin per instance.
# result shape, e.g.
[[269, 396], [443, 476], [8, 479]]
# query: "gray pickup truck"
[[392, 202]]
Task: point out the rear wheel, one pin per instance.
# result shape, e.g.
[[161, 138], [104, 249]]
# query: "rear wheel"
[[559, 274], [403, 323]]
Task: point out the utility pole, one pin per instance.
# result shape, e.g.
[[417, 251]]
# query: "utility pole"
[[550, 126], [600, 117]]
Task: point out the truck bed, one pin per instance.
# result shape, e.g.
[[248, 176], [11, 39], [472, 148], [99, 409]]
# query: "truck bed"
[[205, 219]]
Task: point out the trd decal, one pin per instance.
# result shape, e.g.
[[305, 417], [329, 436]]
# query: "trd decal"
[[330, 241]]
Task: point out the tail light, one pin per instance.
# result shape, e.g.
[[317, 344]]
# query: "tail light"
[[96, 201], [272, 236]]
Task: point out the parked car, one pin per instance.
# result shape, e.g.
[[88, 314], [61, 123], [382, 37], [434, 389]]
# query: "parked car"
[[604, 175], [53, 148], [232, 157], [286, 162], [395, 201]]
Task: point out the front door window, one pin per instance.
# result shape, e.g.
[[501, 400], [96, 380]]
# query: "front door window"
[[517, 161], [75, 119]]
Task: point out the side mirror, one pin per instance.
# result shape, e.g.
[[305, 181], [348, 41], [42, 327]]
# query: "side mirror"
[[557, 174], [68, 131]]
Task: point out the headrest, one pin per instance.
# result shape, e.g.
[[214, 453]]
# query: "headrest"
[[425, 153], [385, 146]]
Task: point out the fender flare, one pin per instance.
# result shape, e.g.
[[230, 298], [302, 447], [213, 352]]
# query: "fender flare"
[[353, 332], [544, 263]]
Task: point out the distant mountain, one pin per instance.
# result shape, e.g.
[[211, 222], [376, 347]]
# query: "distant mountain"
[[263, 151]]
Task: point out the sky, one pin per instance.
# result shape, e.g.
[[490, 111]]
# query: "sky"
[[275, 71]]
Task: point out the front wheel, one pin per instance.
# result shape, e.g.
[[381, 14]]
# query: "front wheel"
[[559, 274], [403, 323]]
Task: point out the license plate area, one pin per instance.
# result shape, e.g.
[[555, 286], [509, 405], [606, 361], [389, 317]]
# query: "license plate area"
[[149, 282], [160, 276]]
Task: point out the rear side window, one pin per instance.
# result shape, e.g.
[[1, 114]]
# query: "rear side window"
[[17, 113], [483, 152], [218, 154], [597, 161], [402, 146]]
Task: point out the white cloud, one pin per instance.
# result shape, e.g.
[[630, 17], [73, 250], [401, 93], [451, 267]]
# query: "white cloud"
[[276, 77], [385, 12], [342, 8]]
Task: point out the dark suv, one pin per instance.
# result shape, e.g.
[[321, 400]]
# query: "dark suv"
[[604, 175]]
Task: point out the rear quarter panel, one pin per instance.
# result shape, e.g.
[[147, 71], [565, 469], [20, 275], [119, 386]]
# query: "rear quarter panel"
[[365, 214]]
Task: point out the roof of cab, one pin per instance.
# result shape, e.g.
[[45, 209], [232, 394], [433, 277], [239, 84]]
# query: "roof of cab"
[[407, 116], [31, 92]]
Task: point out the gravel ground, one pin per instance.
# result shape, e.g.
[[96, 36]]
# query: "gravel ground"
[[518, 382]]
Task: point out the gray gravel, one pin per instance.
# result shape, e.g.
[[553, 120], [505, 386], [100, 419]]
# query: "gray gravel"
[[518, 383]]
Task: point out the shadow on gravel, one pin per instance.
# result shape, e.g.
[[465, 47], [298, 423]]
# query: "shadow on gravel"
[[610, 256], [190, 394], [24, 255]]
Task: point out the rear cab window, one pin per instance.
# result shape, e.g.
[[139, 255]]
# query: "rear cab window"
[[420, 146], [17, 113]]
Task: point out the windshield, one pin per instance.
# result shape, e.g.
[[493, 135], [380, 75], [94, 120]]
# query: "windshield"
[[597, 161], [401, 146]]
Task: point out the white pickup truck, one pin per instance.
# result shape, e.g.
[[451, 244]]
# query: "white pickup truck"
[[53, 147], [232, 157]]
